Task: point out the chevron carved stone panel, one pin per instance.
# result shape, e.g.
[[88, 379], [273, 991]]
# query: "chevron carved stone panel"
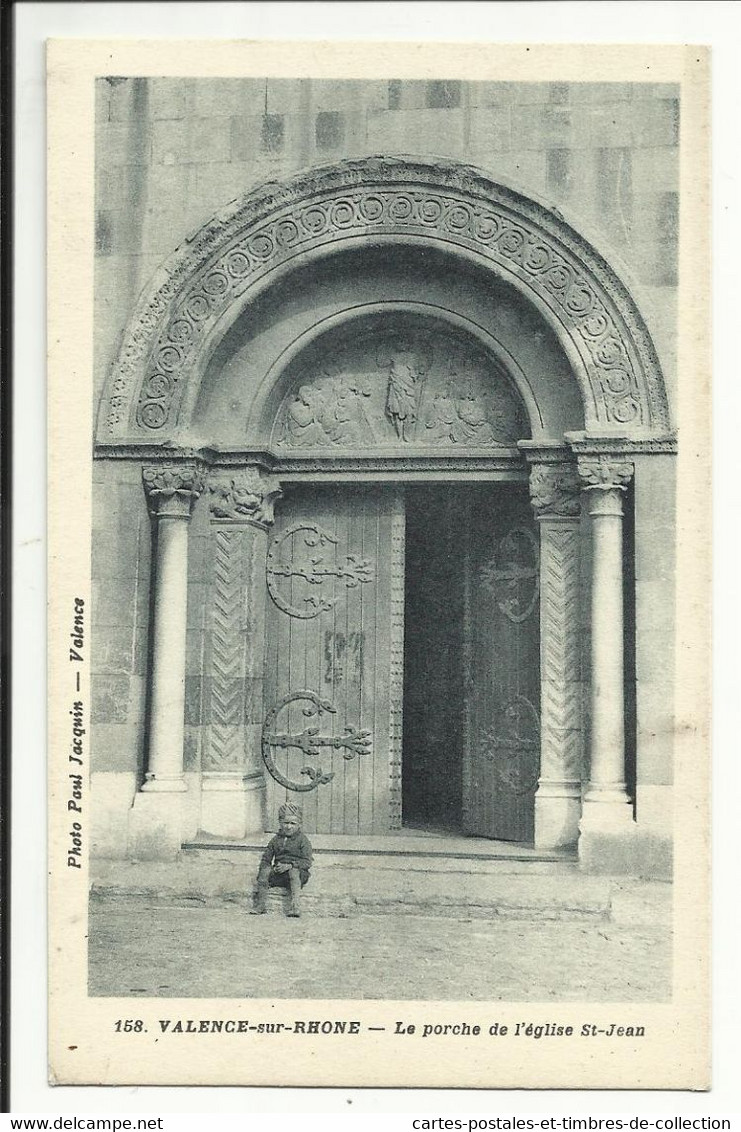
[[396, 641], [561, 710], [226, 749]]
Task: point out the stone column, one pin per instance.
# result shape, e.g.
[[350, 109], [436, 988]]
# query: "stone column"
[[555, 496], [233, 783], [606, 803], [154, 828]]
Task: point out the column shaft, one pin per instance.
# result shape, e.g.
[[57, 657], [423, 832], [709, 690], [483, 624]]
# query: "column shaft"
[[606, 801], [171, 491], [607, 776], [167, 708], [156, 818]]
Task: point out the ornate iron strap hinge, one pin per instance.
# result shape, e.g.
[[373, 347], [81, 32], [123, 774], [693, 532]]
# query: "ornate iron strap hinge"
[[507, 572], [516, 756], [353, 742], [312, 569]]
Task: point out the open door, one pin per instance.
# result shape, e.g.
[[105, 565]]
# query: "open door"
[[501, 664], [471, 655], [334, 657]]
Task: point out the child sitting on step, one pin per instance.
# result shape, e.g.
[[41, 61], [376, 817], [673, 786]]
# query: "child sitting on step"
[[286, 861]]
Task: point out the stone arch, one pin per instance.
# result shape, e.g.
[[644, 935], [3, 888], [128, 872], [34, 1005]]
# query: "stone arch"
[[212, 276]]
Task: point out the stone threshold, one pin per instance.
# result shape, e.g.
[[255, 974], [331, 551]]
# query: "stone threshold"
[[404, 843]]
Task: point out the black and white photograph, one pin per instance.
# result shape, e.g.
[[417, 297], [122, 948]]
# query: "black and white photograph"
[[381, 624]]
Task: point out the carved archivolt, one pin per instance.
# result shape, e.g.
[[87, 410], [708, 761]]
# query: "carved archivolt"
[[620, 376]]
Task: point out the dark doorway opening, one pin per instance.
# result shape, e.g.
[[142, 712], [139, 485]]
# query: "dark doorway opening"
[[432, 751]]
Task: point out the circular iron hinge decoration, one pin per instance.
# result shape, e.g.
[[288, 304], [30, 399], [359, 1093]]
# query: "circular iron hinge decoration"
[[309, 741], [516, 755], [310, 569], [513, 574]]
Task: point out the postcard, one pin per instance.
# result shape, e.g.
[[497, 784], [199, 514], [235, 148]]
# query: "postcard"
[[379, 564]]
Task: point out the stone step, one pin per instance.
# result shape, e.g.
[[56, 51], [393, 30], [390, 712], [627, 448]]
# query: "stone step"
[[331, 860], [406, 844], [347, 887]]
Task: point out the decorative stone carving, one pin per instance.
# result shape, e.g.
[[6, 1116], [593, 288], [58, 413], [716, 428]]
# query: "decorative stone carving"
[[396, 646], [555, 491], [226, 750], [605, 471], [560, 689], [407, 367], [587, 444], [173, 488], [386, 197], [326, 412], [245, 495], [406, 459], [461, 415], [400, 386]]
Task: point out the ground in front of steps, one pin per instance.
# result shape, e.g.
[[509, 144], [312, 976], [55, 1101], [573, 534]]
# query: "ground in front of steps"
[[141, 947]]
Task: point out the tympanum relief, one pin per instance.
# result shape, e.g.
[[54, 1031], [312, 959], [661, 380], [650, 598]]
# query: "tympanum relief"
[[384, 391]]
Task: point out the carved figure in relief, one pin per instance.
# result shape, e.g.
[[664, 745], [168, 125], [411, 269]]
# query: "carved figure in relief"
[[342, 419], [246, 495], [387, 391], [328, 412], [406, 375], [232, 500], [302, 427], [458, 416], [472, 413], [463, 414]]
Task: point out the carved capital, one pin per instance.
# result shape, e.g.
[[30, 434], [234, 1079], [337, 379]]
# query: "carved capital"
[[247, 495], [555, 491], [605, 472], [172, 489]]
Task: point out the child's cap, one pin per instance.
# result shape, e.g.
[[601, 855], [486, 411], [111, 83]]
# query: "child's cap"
[[290, 809]]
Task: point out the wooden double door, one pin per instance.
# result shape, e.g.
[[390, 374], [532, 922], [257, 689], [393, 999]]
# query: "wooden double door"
[[402, 659]]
